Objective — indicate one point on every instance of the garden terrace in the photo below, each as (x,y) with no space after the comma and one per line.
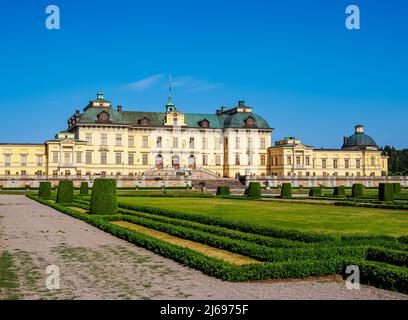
(270,241)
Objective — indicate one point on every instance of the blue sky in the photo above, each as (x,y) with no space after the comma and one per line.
(293,61)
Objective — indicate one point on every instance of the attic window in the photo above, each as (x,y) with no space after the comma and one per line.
(250,123)
(204,123)
(144,121)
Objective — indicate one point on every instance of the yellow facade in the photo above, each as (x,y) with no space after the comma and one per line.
(22,159)
(291,158)
(104,141)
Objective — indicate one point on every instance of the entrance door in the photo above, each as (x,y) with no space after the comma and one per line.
(175,162)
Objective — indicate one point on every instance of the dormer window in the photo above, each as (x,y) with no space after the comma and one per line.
(250,122)
(103,117)
(204,123)
(144,121)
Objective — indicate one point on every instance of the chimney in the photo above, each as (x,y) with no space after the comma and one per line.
(241,103)
(120,108)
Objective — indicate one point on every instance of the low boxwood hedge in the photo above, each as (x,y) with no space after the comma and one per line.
(379,274)
(223,191)
(235,225)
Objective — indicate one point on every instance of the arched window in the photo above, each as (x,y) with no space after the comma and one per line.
(159,161)
(191,162)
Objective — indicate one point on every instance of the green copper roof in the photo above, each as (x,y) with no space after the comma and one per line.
(91,115)
(359,140)
(157,119)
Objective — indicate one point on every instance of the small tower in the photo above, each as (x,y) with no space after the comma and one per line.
(359,128)
(170,107)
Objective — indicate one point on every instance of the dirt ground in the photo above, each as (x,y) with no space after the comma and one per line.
(96,265)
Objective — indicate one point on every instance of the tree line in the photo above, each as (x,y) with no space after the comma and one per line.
(397,162)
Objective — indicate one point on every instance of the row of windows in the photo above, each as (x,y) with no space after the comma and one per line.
(175,144)
(23,160)
(324,162)
(324,174)
(250,160)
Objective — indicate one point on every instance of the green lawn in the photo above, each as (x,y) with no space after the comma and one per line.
(308,217)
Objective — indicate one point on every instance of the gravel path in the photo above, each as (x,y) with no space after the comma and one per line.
(96,265)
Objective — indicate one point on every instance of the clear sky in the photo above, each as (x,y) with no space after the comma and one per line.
(293,61)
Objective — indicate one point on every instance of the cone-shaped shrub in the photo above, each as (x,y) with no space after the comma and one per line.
(84,190)
(254,190)
(357,191)
(397,188)
(339,191)
(286,191)
(315,192)
(223,191)
(386,192)
(65,193)
(44,190)
(103,198)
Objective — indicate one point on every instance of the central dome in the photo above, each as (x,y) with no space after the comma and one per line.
(359,141)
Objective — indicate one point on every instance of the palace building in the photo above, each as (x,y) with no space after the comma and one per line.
(106,141)
(103,140)
(359,157)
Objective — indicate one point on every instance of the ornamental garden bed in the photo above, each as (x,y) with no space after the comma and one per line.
(238,250)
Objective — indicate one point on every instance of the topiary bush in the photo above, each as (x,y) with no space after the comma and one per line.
(397,188)
(357,190)
(386,192)
(103,197)
(286,191)
(84,190)
(315,192)
(44,190)
(223,191)
(254,190)
(65,193)
(339,191)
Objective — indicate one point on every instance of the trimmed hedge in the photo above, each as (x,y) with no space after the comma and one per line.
(65,193)
(221,231)
(103,197)
(373,273)
(235,225)
(44,190)
(371,205)
(386,192)
(315,192)
(397,188)
(223,191)
(84,190)
(386,276)
(254,190)
(357,190)
(339,191)
(394,257)
(286,191)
